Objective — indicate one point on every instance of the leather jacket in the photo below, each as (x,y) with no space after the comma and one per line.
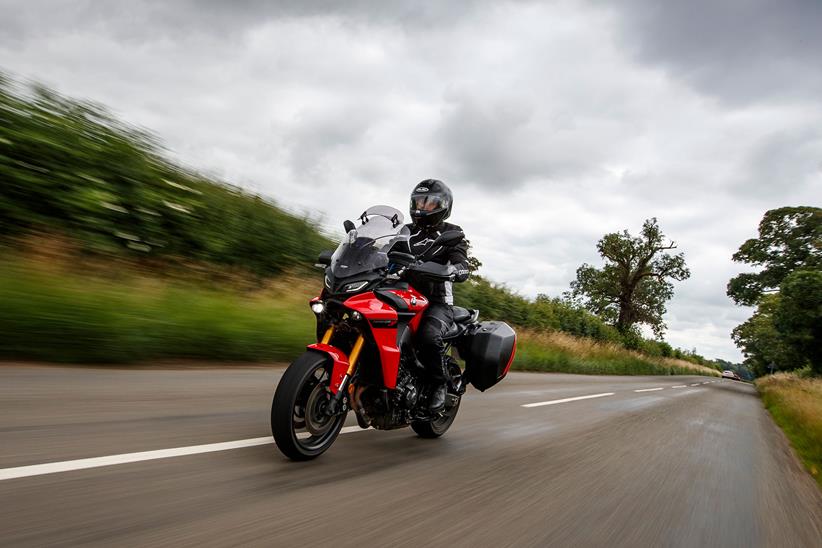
(456,255)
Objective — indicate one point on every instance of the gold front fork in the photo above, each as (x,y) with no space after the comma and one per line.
(355,355)
(328,334)
(346,380)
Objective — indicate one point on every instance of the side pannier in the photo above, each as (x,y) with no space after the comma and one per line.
(488,351)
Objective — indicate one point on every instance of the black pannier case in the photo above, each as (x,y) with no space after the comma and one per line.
(488,352)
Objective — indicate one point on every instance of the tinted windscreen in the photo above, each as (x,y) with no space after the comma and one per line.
(366,247)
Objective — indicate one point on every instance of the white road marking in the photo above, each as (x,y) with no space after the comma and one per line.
(649,389)
(680,386)
(565,400)
(96,462)
(707,382)
(695,384)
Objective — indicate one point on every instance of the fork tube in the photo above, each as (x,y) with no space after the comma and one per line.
(352,366)
(328,334)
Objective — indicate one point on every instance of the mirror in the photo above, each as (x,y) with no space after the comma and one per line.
(449,237)
(325,258)
(401,258)
(348,226)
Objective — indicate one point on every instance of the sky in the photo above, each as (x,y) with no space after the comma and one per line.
(552,122)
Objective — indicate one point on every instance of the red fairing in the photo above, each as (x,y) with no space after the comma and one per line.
(511,359)
(416,302)
(340,363)
(385,337)
(371,307)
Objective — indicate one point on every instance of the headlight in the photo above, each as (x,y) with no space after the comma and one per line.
(354,286)
(356,316)
(317,307)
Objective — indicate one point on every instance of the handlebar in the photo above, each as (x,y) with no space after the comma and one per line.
(433,271)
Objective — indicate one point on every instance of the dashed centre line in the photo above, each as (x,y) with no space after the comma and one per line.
(566,400)
(649,389)
(680,386)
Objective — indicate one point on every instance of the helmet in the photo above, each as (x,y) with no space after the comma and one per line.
(430,203)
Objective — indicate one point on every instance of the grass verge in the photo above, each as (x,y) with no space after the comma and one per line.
(59,317)
(795,403)
(559,352)
(51,313)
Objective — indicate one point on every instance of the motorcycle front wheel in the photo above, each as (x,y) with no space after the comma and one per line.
(299,423)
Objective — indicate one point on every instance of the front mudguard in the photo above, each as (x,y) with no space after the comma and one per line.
(339,363)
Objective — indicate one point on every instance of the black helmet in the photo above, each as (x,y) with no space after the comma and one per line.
(430,203)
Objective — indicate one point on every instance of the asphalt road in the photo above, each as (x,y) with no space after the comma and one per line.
(688,464)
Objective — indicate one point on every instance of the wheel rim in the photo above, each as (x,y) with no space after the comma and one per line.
(311,427)
(442,422)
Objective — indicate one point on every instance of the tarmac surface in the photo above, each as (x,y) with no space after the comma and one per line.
(640,461)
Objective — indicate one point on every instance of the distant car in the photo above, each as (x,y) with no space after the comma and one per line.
(728,374)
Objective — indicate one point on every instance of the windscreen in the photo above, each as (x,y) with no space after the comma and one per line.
(366,247)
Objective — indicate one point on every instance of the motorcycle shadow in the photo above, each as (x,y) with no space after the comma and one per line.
(354,456)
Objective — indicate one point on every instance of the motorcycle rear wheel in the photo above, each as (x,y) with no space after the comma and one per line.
(439,426)
(301,429)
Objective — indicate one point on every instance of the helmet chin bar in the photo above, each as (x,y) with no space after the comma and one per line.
(429,218)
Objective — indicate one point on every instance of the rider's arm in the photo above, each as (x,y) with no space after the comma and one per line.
(458,257)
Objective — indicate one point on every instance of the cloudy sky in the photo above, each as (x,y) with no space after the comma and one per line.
(553,122)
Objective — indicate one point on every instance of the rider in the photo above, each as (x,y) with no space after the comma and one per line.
(431,204)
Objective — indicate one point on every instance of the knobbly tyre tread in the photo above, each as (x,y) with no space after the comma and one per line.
(282,407)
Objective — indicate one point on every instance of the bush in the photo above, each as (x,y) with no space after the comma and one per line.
(69,167)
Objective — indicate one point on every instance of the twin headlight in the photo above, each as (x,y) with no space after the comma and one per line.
(318,307)
(354,286)
(347,288)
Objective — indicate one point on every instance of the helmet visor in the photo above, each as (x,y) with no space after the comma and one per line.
(426,203)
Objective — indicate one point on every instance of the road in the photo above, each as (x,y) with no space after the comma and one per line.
(650,461)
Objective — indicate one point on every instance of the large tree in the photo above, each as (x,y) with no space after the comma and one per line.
(790,238)
(763,345)
(798,316)
(634,285)
(785,331)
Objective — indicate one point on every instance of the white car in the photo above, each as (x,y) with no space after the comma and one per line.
(728,374)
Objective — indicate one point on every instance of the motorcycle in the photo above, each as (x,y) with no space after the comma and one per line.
(365,359)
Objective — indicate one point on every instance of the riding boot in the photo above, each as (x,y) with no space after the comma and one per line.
(437,401)
(439,390)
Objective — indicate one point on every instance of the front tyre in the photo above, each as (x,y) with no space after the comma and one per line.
(437,427)
(301,428)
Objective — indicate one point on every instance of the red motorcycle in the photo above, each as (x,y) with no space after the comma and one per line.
(365,360)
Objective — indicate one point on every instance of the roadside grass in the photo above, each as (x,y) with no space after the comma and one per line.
(795,403)
(49,315)
(57,312)
(559,352)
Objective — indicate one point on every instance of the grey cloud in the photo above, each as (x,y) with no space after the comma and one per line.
(782,164)
(141,20)
(503,143)
(740,51)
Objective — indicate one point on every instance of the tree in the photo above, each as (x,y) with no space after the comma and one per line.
(798,316)
(790,238)
(633,286)
(762,344)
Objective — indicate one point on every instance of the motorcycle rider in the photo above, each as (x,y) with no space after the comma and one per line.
(431,202)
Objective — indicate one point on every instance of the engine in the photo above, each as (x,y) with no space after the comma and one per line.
(386,409)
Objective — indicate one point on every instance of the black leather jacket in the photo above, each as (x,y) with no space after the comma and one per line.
(455,255)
